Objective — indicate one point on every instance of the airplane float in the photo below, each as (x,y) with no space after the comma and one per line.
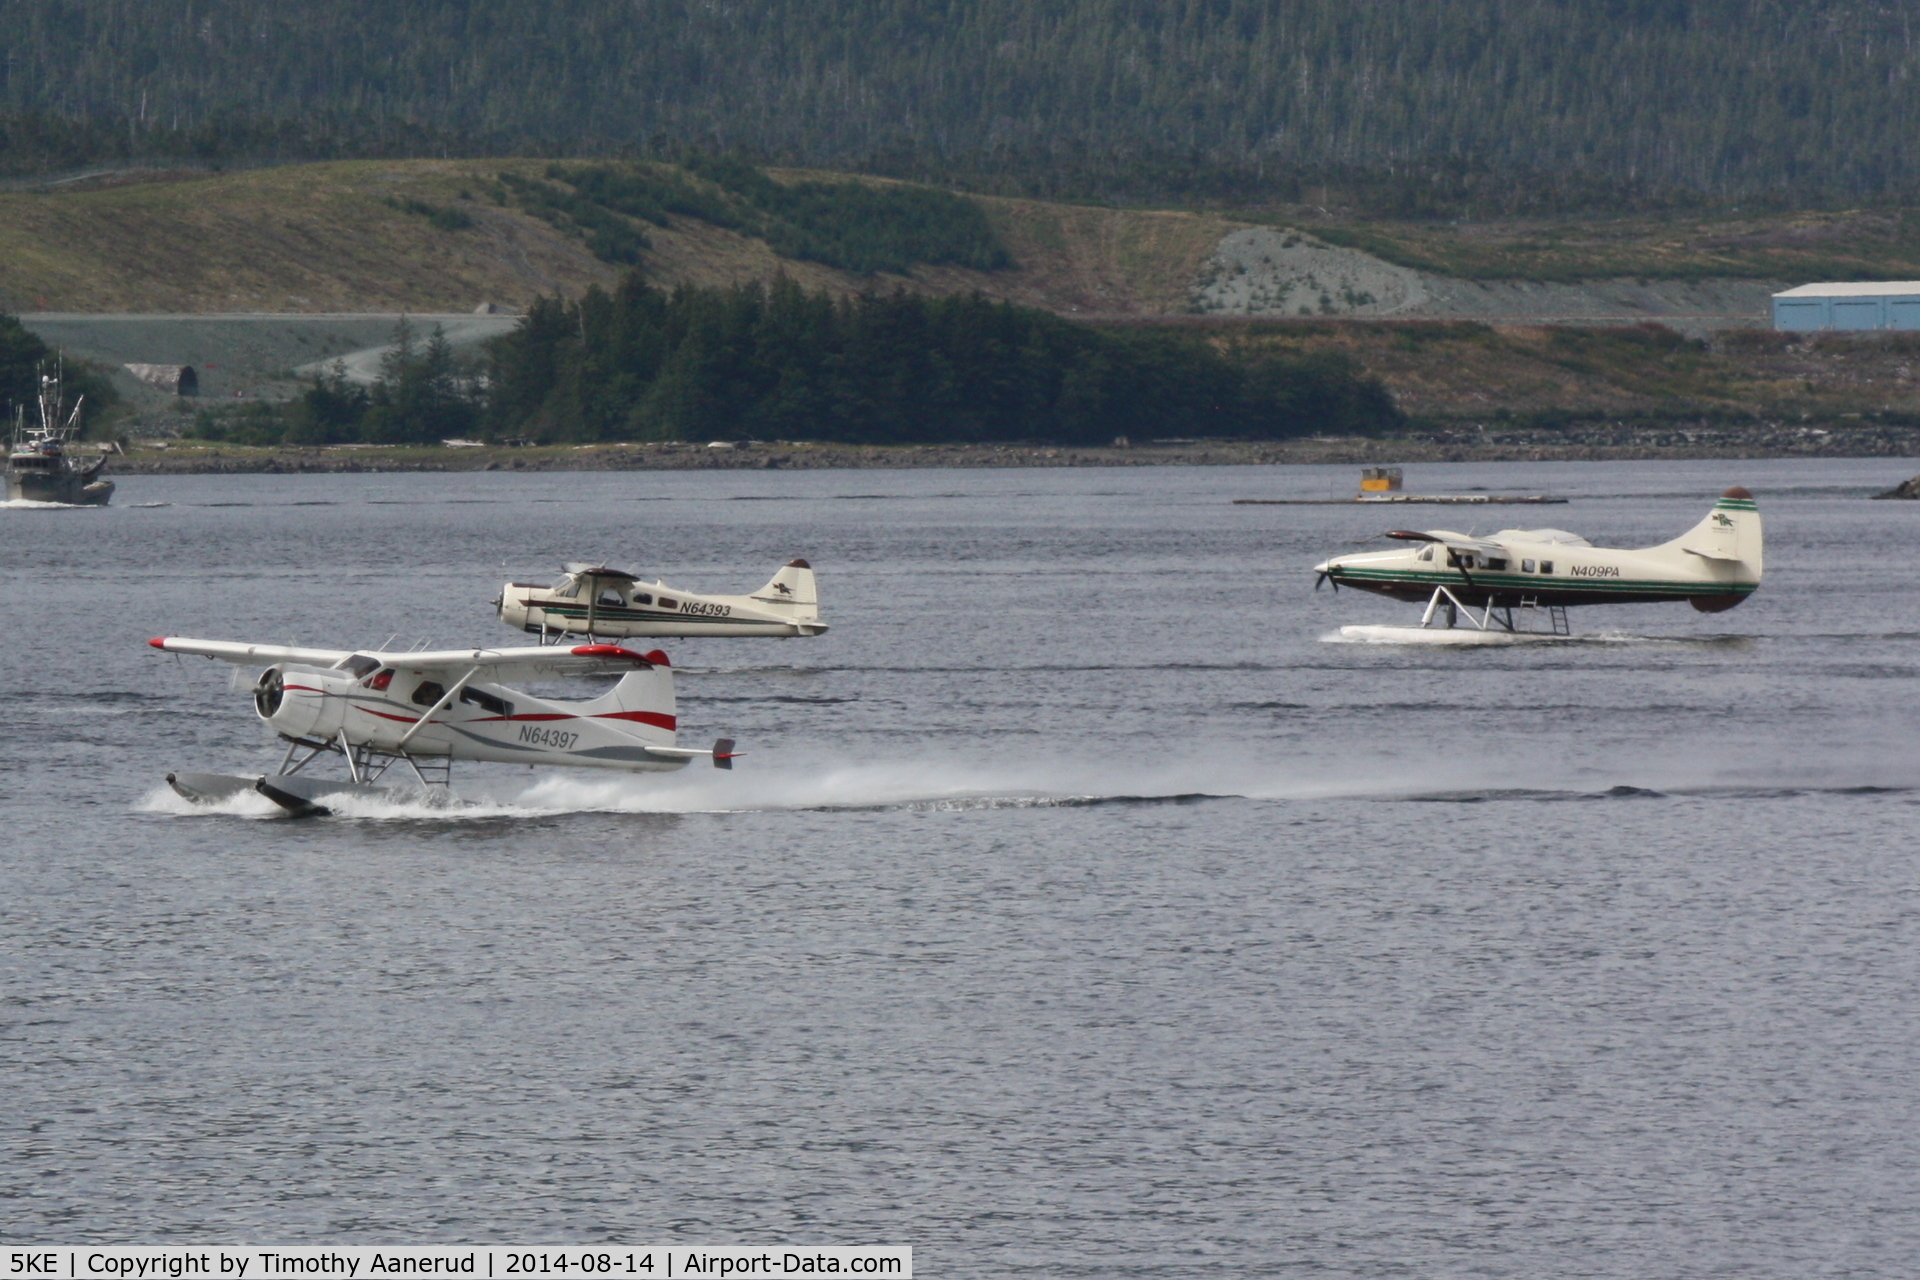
(596,601)
(427,709)
(1520,579)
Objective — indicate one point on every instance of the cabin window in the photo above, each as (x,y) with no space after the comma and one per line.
(486,702)
(668,602)
(1426,552)
(1526,566)
(427,692)
(1460,560)
(611,599)
(641,597)
(1496,564)
(381,680)
(1546,566)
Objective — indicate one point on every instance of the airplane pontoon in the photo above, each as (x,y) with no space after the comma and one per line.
(425,710)
(1522,581)
(598,601)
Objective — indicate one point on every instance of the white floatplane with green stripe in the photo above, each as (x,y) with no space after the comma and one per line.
(1517,584)
(599,602)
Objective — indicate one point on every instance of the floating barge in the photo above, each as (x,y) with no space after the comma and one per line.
(1382,485)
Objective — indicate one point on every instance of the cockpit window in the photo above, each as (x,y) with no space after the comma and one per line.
(611,599)
(357,663)
(382,680)
(1426,552)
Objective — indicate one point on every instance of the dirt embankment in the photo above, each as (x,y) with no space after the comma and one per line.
(1272,272)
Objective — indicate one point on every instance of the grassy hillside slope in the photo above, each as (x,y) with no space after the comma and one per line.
(1559,379)
(352,236)
(445,235)
(1879,244)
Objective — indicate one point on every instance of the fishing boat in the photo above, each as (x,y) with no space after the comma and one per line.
(39,467)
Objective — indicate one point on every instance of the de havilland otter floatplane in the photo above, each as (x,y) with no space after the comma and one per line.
(427,709)
(1522,581)
(594,600)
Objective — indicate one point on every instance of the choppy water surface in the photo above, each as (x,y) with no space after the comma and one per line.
(1080,910)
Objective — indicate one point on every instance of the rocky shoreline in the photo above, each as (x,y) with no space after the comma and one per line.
(186,458)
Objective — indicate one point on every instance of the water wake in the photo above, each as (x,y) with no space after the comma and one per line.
(1519,771)
(246,804)
(1467,636)
(29,504)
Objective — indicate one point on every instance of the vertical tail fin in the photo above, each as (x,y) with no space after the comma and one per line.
(792,588)
(1731,532)
(642,703)
(1728,541)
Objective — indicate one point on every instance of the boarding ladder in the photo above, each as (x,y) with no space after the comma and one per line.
(1555,620)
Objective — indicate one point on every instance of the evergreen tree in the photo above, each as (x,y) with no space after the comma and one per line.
(1430,105)
(891,368)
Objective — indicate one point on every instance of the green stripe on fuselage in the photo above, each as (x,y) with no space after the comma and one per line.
(621,613)
(1524,583)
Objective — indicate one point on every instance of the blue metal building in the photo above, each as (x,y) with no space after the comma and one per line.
(1893,304)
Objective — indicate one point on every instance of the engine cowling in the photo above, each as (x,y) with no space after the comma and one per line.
(300,702)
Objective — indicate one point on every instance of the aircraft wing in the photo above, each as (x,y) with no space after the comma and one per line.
(250,655)
(531,662)
(1449,539)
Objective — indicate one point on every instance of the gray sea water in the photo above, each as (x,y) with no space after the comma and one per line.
(1080,910)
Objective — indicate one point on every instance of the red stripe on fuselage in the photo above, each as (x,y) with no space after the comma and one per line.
(653,718)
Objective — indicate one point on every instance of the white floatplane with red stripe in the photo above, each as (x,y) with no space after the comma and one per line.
(1522,581)
(427,709)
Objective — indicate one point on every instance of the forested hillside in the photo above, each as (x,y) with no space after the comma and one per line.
(639,363)
(1419,106)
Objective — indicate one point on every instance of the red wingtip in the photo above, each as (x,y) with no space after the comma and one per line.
(659,658)
(615,651)
(158,642)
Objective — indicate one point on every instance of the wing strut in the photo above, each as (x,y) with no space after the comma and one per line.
(446,700)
